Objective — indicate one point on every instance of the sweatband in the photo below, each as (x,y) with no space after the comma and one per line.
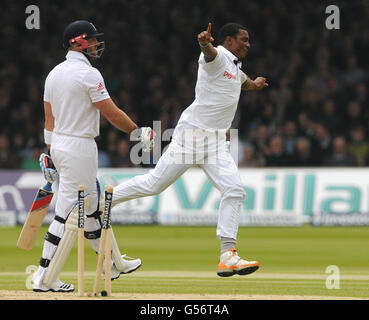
(47,136)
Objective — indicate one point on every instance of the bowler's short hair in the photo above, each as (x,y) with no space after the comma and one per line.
(229,29)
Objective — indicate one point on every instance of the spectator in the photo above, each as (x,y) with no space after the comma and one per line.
(250,158)
(305,124)
(352,73)
(358,144)
(329,117)
(19,145)
(277,157)
(361,94)
(303,156)
(340,157)
(8,159)
(121,158)
(103,159)
(268,115)
(32,161)
(321,143)
(354,117)
(290,137)
(261,141)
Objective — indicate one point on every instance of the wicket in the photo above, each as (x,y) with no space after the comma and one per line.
(81,243)
(104,248)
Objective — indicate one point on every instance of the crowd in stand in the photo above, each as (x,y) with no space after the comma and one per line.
(314,112)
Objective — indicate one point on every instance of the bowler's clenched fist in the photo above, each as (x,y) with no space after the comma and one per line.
(260,83)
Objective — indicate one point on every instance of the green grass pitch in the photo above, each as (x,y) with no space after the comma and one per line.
(177,260)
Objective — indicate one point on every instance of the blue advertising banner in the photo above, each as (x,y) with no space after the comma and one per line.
(275,197)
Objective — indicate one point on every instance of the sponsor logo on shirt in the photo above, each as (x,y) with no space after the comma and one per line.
(229,75)
(100,87)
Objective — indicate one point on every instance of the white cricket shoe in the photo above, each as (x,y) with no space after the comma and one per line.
(130,265)
(230,263)
(57,286)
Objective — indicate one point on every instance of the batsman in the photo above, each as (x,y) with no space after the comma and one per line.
(74,96)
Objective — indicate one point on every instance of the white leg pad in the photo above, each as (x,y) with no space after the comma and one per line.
(65,246)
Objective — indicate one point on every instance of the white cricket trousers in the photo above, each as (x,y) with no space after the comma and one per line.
(220,169)
(76,161)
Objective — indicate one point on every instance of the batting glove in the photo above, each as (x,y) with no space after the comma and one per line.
(147,137)
(47,167)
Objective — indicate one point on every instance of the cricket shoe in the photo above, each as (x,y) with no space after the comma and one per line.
(230,263)
(130,265)
(57,286)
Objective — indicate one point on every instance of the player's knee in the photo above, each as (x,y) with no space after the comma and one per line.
(235,191)
(239,192)
(158,186)
(155,185)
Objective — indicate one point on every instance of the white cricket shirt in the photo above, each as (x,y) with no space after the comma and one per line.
(71,88)
(217,93)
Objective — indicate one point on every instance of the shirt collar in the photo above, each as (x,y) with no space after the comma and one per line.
(231,56)
(75,55)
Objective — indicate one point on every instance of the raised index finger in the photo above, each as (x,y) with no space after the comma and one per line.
(209,28)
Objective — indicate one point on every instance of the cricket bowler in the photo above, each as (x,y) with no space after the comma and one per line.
(200,136)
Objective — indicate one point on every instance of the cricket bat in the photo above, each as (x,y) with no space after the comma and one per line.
(35,217)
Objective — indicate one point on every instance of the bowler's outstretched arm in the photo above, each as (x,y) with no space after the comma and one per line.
(205,39)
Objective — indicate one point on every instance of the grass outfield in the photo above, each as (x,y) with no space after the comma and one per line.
(183,260)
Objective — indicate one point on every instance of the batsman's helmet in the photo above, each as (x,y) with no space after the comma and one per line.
(78,32)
